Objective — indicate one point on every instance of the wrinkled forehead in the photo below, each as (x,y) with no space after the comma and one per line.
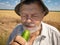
(31,7)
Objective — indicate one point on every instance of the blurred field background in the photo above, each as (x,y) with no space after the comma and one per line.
(9,19)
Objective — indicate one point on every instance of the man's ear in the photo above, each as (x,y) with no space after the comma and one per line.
(45,13)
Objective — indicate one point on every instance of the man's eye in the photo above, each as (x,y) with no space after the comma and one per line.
(35,16)
(23,16)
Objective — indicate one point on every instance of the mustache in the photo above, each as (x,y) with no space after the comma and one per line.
(28,24)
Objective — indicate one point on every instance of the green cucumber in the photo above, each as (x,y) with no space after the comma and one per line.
(26,35)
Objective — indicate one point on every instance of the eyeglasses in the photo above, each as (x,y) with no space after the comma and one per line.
(33,16)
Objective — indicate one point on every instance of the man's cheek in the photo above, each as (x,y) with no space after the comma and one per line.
(22,21)
(37,22)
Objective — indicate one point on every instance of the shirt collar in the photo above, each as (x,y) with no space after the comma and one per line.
(44,30)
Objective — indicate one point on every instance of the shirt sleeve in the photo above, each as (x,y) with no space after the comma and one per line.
(17,31)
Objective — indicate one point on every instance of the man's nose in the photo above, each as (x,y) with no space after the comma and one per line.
(29,19)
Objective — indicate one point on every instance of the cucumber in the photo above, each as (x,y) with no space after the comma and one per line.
(26,35)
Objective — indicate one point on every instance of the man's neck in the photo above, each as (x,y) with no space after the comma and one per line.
(38,32)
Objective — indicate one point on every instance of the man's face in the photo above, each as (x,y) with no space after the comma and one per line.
(31,15)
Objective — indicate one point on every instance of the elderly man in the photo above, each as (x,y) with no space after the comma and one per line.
(32,12)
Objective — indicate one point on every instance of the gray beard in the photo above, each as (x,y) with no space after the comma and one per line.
(34,29)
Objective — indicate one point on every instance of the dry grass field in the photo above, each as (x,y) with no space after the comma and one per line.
(9,19)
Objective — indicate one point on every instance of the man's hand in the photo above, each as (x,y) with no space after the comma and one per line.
(18,41)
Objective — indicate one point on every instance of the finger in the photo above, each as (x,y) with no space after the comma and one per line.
(14,43)
(20,40)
